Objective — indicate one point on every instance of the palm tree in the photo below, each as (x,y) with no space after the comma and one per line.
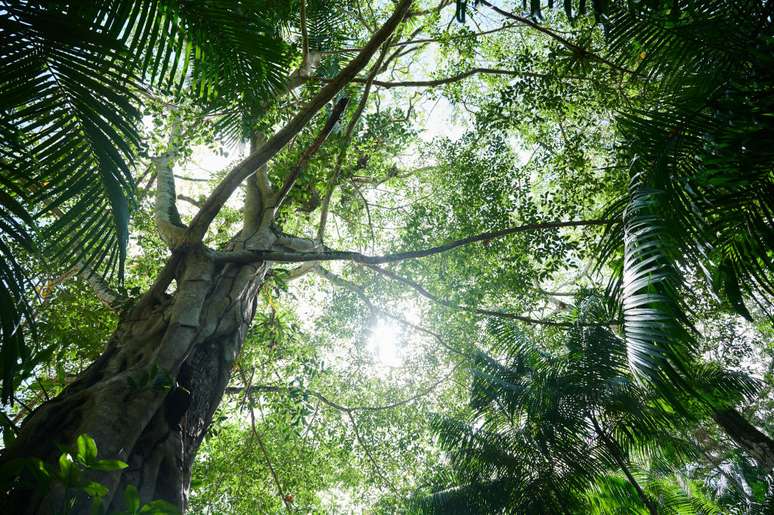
(699,157)
(555,430)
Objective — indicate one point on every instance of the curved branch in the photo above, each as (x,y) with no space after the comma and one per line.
(234,178)
(249,256)
(457,78)
(486,312)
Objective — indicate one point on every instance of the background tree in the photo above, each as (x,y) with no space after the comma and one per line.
(552,422)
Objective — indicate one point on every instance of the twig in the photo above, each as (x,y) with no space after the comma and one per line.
(367,451)
(487,312)
(258,439)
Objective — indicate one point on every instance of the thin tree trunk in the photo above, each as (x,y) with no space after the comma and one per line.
(617,455)
(190,338)
(747,436)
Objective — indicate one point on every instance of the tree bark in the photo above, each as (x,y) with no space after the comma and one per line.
(190,338)
(747,436)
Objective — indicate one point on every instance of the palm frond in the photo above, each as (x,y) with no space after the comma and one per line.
(71,75)
(700,201)
(16,227)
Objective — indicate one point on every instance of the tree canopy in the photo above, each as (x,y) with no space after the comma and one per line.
(425,256)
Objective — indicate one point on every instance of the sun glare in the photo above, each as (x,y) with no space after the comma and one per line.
(383,344)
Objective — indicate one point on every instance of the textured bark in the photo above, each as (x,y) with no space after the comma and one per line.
(192,336)
(747,436)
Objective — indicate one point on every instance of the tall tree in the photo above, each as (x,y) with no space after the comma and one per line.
(192,335)
(561,111)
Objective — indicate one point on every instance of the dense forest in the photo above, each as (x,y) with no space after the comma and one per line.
(395,256)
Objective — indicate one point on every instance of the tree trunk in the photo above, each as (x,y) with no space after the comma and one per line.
(189,340)
(747,436)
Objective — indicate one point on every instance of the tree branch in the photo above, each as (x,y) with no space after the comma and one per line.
(234,178)
(304,33)
(190,200)
(457,78)
(234,390)
(311,150)
(249,256)
(557,37)
(486,312)
(266,455)
(333,181)
(258,195)
(167,217)
(368,454)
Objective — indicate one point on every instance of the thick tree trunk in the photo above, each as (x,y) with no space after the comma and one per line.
(747,436)
(191,338)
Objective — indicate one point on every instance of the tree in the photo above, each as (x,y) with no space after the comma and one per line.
(554,426)
(470,217)
(193,335)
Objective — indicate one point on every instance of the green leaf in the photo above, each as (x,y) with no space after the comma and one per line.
(68,470)
(108,465)
(86,449)
(132,498)
(96,490)
(159,507)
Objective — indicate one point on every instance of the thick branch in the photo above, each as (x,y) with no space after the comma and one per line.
(165,213)
(288,242)
(304,33)
(258,195)
(249,256)
(231,182)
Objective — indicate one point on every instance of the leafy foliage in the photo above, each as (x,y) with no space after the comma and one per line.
(699,156)
(559,429)
(71,86)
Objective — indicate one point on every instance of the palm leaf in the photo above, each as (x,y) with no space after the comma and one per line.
(70,78)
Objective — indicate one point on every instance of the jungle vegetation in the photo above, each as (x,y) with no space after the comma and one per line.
(406,256)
